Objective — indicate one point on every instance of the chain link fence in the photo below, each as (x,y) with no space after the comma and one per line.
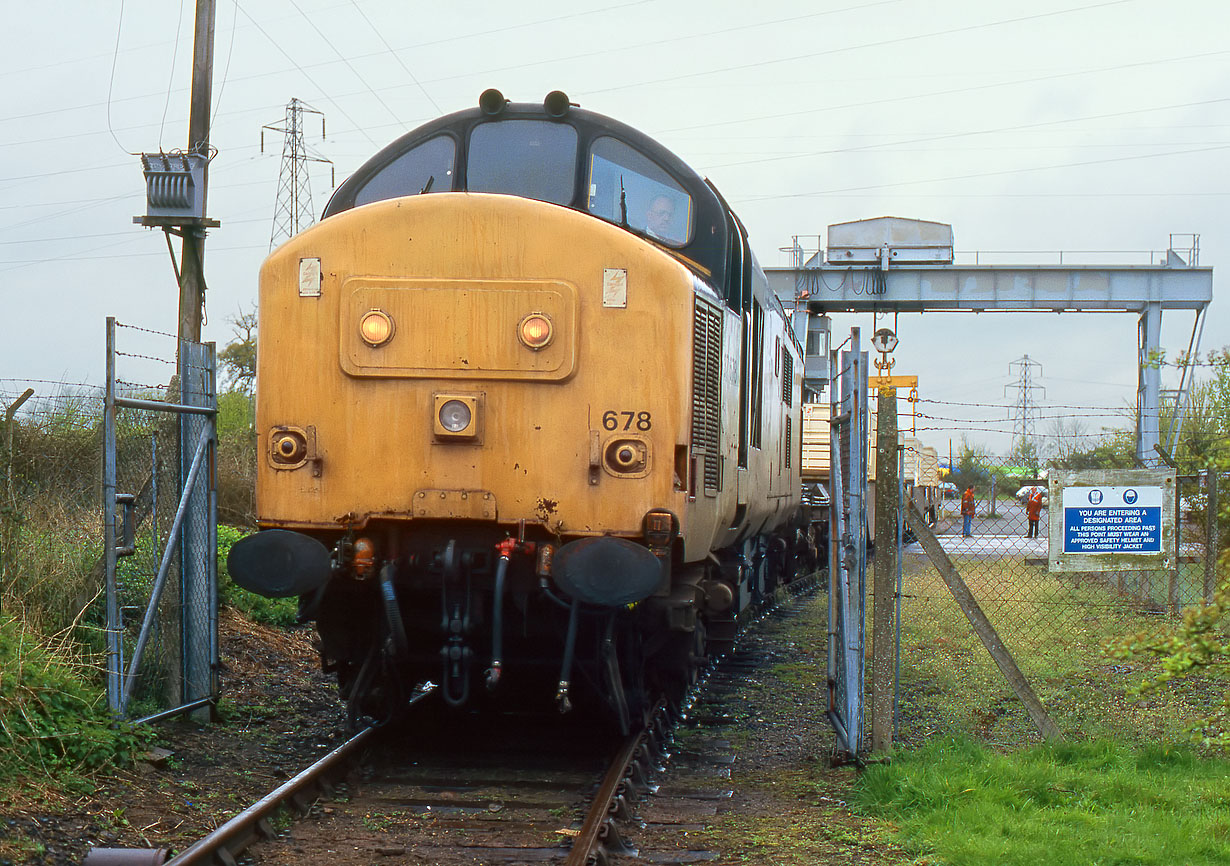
(52,554)
(1057,626)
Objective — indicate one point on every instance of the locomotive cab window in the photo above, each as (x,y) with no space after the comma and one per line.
(428,167)
(629,189)
(529,158)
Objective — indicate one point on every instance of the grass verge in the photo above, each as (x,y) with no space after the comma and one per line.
(1069,804)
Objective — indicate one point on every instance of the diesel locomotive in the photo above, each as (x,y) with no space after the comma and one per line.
(529,418)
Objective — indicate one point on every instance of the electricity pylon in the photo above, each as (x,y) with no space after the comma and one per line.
(1025,408)
(293,210)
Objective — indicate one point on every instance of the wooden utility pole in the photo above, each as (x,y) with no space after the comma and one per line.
(198,678)
(884,586)
(192,258)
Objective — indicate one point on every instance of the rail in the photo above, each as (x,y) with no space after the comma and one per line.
(252,824)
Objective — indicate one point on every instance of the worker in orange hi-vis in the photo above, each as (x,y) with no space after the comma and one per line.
(1033,510)
(967,510)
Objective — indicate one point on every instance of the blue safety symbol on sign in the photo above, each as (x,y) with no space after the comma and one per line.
(1129,496)
(1095,496)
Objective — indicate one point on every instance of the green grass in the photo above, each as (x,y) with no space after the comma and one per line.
(1085,804)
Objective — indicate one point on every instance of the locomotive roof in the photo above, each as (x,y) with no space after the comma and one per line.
(705,244)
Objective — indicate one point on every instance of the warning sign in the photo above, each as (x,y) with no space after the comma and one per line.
(1112,520)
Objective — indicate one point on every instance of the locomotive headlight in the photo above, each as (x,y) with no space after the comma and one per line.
(376,327)
(455,416)
(535,331)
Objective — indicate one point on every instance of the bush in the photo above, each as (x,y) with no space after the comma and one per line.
(281,612)
(53,719)
(236,460)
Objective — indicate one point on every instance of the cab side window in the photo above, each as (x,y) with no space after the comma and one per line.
(427,167)
(629,189)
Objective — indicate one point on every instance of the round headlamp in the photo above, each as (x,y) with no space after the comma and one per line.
(376,327)
(535,330)
(455,416)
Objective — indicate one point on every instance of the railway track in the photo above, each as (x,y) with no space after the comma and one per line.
(444,789)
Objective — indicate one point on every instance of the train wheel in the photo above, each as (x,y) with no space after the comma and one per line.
(632,668)
(681,662)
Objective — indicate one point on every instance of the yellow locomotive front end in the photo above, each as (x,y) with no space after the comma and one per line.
(513,394)
(476,357)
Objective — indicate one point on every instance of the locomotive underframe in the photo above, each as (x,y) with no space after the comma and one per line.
(424,609)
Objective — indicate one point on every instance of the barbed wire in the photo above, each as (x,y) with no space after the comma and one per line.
(145,385)
(1002,406)
(1099,435)
(1038,417)
(145,357)
(53,382)
(120,324)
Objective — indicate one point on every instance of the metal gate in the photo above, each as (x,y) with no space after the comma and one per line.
(848,548)
(168,664)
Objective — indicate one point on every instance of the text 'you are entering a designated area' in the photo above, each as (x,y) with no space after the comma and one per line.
(1112,520)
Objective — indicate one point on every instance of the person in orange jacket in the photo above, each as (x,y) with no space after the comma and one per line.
(967,510)
(1033,510)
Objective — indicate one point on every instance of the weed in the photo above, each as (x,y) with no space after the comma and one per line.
(381,822)
(52,723)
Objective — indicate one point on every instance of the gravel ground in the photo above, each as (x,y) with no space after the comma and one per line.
(788,804)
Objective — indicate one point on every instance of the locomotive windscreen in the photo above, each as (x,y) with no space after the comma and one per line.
(425,168)
(574,158)
(530,158)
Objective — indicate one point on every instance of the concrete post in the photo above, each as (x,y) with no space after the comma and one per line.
(882,613)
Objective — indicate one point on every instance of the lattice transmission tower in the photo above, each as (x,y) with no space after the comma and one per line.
(1026,411)
(293,210)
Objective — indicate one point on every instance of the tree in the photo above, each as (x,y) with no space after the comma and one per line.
(1025,456)
(1200,645)
(239,356)
(1068,433)
(236,457)
(971,469)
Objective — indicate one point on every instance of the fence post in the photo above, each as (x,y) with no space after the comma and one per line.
(1210,536)
(8,511)
(115,664)
(197,542)
(885,571)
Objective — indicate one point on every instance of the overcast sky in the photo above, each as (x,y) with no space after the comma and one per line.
(1055,125)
